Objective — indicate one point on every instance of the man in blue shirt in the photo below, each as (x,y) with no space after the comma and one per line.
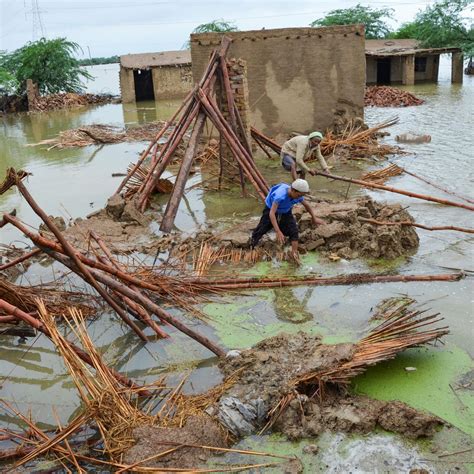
(277,214)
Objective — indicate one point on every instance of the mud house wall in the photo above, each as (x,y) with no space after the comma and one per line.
(127,85)
(297,77)
(172,82)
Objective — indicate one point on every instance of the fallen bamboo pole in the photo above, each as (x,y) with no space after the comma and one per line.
(436,185)
(38,325)
(69,250)
(395,190)
(421,226)
(354,279)
(180,183)
(56,252)
(259,136)
(144,301)
(18,260)
(141,312)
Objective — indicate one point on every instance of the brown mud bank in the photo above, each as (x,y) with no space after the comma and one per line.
(346,233)
(264,375)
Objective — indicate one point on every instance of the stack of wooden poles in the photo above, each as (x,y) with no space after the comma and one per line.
(199,105)
(118,288)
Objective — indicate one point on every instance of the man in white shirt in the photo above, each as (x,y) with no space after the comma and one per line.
(295,151)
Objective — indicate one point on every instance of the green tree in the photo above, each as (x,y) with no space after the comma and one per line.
(442,25)
(8,83)
(373,19)
(49,63)
(215,26)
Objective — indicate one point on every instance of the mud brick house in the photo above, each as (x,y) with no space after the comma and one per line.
(298,78)
(149,76)
(404,62)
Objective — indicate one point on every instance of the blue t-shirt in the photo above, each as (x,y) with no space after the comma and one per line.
(279,194)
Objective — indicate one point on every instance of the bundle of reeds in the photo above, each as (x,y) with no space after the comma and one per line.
(116,411)
(357,142)
(380,176)
(55,299)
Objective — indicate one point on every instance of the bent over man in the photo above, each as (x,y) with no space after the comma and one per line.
(296,150)
(277,214)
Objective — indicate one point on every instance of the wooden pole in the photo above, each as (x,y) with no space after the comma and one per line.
(180,183)
(69,250)
(145,302)
(436,185)
(18,260)
(355,279)
(421,226)
(141,312)
(396,190)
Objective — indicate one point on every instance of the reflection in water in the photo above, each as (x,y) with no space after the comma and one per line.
(288,307)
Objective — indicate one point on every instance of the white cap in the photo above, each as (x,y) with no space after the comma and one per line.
(300,185)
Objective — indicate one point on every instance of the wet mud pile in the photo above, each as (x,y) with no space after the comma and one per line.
(198,430)
(267,371)
(346,233)
(125,228)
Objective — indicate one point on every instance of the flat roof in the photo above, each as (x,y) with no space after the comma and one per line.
(401,47)
(164,58)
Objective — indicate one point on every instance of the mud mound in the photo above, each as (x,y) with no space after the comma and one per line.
(123,227)
(345,233)
(151,440)
(266,372)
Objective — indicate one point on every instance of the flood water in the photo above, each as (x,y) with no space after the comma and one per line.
(74,182)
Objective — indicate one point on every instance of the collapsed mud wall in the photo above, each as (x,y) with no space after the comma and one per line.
(298,77)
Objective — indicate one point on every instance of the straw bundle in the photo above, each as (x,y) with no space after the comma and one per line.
(55,300)
(113,408)
(380,176)
(359,142)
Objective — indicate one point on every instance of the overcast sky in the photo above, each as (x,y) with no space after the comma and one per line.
(109,27)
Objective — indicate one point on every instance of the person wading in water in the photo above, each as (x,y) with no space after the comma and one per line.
(278,214)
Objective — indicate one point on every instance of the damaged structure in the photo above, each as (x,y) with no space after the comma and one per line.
(151,76)
(404,62)
(297,77)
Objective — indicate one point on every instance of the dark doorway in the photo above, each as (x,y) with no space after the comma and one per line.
(143,85)
(383,70)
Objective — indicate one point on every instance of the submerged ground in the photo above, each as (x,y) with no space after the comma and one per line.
(75,182)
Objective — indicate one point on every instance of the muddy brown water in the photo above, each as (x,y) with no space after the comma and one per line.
(75,182)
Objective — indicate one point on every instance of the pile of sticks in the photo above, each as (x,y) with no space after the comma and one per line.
(355,142)
(103,274)
(380,176)
(99,134)
(386,96)
(55,299)
(199,105)
(68,100)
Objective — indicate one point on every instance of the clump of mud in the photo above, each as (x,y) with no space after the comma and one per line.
(120,224)
(265,378)
(198,430)
(345,232)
